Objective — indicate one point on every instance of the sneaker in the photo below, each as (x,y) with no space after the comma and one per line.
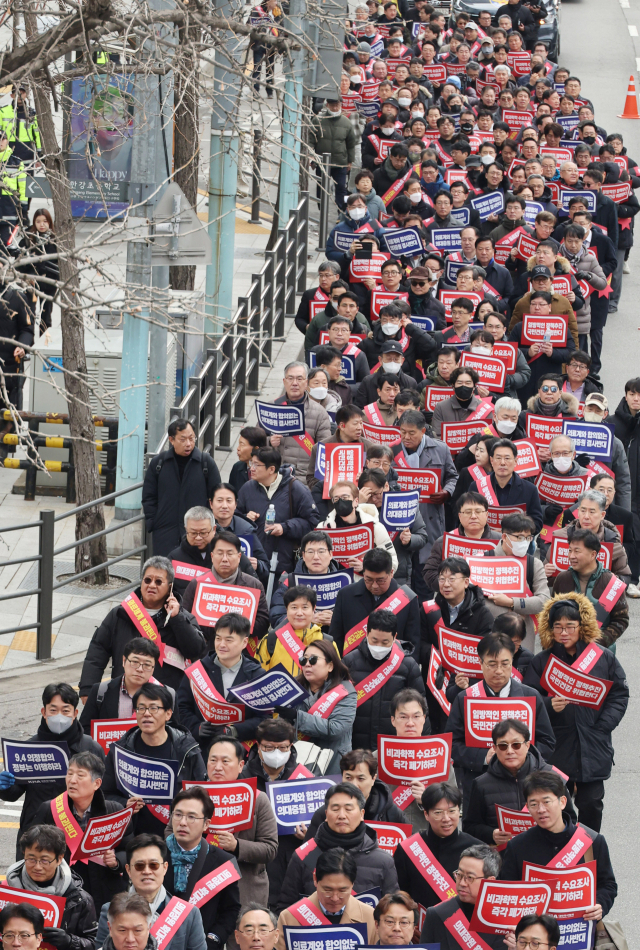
(633,591)
(625,268)
(613,308)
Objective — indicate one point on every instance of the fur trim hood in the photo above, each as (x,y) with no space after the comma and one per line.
(589,629)
(561,262)
(570,407)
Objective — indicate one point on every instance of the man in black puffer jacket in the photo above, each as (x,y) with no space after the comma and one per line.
(627,428)
(380,666)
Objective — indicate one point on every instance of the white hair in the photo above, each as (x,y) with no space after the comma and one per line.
(568,438)
(503,69)
(199,514)
(294,365)
(506,402)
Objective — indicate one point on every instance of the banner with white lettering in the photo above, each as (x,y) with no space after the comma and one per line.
(502,904)
(491,370)
(459,651)
(295,802)
(454,545)
(107,731)
(342,937)
(213,601)
(326,586)
(544,329)
(543,429)
(447,239)
(527,461)
(350,542)
(153,780)
(50,905)
(508,353)
(35,761)
(425,759)
(486,205)
(381,435)
(559,554)
(214,882)
(399,509)
(276,687)
(280,420)
(573,890)
(424,480)
(589,198)
(560,679)
(481,715)
(591,438)
(560,490)
(499,575)
(403,242)
(103,833)
(576,934)
(513,821)
(234,803)
(389,834)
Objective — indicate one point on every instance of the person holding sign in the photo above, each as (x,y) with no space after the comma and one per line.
(44,870)
(394,325)
(335,878)
(568,628)
(113,699)
(346,510)
(546,357)
(339,330)
(223,504)
(471,508)
(299,603)
(296,449)
(462,404)
(550,401)
(373,388)
(316,550)
(514,758)
(556,841)
(22,922)
(590,514)
(349,420)
(511,490)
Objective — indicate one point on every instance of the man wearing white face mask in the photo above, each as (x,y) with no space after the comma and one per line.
(59,723)
(505,419)
(394,325)
(562,464)
(390,362)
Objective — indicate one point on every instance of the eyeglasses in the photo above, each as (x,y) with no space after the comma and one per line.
(11,938)
(469,878)
(570,628)
(198,534)
(311,660)
(139,866)
(390,921)
(522,943)
(549,389)
(45,862)
(179,816)
(261,929)
(505,746)
(145,667)
(154,710)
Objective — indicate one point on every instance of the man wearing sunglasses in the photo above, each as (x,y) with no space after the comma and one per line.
(550,401)
(422,286)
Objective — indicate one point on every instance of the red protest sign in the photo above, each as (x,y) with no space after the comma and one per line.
(499,575)
(455,435)
(316,307)
(369,90)
(213,601)
(448,296)
(424,480)
(50,906)
(481,715)
(103,833)
(543,429)
(381,435)
(573,890)
(426,759)
(380,298)
(234,803)
(344,463)
(527,462)
(559,554)
(525,246)
(435,662)
(459,651)
(513,821)
(491,370)
(436,394)
(390,834)
(454,545)
(522,57)
(501,904)
(618,192)
(504,245)
(361,269)
(350,542)
(560,679)
(508,353)
(435,73)
(219,713)
(455,174)
(495,515)
(558,490)
(560,154)
(516,120)
(106,731)
(480,85)
(561,285)
(537,329)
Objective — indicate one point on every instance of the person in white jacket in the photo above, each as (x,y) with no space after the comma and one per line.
(346,511)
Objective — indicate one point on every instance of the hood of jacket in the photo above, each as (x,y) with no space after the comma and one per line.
(568,404)
(575,470)
(562,265)
(589,629)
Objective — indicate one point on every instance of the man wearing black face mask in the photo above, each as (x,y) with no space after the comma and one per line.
(462,404)
(59,723)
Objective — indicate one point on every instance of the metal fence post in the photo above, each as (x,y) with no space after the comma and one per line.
(256,177)
(45,583)
(325,198)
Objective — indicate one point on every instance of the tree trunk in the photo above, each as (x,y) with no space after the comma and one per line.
(186,154)
(74,358)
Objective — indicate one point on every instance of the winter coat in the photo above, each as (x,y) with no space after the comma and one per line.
(627,429)
(434,930)
(190,554)
(375,205)
(421,346)
(35,793)
(588,264)
(450,410)
(277,610)
(117,629)
(355,912)
(333,135)
(506,226)
(610,534)
(409,554)
(317,425)
(375,869)
(261,622)
(559,303)
(373,717)
(370,153)
(386,176)
(367,391)
(367,514)
(584,748)
(474,619)
(528,606)
(550,510)
(541,364)
(446,851)
(189,712)
(500,279)
(433,562)
(321,319)
(618,619)
(519,491)
(590,385)
(97,880)
(166,497)
(16,325)
(426,305)
(354,604)
(348,225)
(79,914)
(497,786)
(334,732)
(189,936)
(567,407)
(379,806)
(295,509)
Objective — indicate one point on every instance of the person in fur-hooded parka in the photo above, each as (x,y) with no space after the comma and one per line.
(559,303)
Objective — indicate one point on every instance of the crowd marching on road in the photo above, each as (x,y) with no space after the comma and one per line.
(371,679)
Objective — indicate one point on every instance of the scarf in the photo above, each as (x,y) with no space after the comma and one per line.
(326,838)
(573,258)
(391,172)
(18,876)
(232,579)
(413,458)
(155,903)
(182,862)
(543,410)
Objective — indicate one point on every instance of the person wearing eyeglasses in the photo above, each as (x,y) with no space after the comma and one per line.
(21,925)
(256,928)
(44,870)
(393,915)
(550,401)
(113,699)
(477,863)
(177,627)
(535,932)
(514,758)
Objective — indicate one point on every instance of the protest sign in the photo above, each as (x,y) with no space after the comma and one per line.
(436,394)
(561,285)
(35,762)
(459,651)
(425,323)
(371,897)
(350,542)
(344,462)
(447,239)
(543,429)
(481,715)
(276,687)
(424,480)
(347,366)
(573,890)
(154,780)
(448,296)
(362,268)
(280,420)
(435,72)
(618,192)
(515,822)
(455,545)
(486,205)
(435,662)
(326,586)
(213,601)
(211,704)
(295,802)
(343,239)
(508,353)
(324,937)
(234,803)
(381,298)
(527,461)
(495,515)
(502,250)
(461,216)
(499,575)
(403,242)
(426,759)
(452,267)
(246,544)
(525,246)
(559,554)
(316,307)
(531,210)
(106,731)
(491,370)
(544,329)
(576,934)
(399,509)
(455,174)
(455,435)
(591,438)
(516,120)
(188,572)
(568,122)
(368,108)
(389,834)
(502,904)
(50,905)
(560,679)
(559,490)
(381,435)
(103,834)
(560,154)
(589,198)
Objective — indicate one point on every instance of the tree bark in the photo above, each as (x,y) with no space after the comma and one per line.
(74,359)
(186,146)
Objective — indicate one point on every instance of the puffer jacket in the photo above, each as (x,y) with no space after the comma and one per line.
(567,408)
(375,205)
(506,226)
(317,426)
(79,920)
(584,749)
(333,135)
(559,304)
(373,717)
(368,514)
(587,264)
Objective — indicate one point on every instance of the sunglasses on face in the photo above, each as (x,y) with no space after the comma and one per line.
(141,865)
(505,746)
(549,389)
(311,660)
(419,283)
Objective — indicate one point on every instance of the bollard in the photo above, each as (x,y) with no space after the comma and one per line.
(325,197)
(256,177)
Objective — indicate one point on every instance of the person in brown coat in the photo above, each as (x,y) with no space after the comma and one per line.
(544,281)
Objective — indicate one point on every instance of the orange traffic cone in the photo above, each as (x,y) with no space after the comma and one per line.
(631,105)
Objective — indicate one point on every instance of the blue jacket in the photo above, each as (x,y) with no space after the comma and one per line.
(348,226)
(432,188)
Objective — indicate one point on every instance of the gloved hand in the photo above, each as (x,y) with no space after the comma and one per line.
(287,713)
(582,275)
(57,938)
(7,779)
(208,730)
(439,680)
(551,512)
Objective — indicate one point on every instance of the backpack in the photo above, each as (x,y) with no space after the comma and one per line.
(104,686)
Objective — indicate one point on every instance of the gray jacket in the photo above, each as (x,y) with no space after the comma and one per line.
(405,552)
(335,731)
(436,454)
(257,846)
(450,410)
(189,936)
(589,264)
(317,425)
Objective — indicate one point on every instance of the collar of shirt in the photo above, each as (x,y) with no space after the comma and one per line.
(504,692)
(329,913)
(229,674)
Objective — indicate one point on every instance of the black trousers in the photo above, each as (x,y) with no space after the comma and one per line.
(589,802)
(269,56)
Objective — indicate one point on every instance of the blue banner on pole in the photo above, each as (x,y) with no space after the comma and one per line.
(274,688)
(280,420)
(295,803)
(486,205)
(141,775)
(461,215)
(326,586)
(399,509)
(347,370)
(589,198)
(447,239)
(595,439)
(246,543)
(35,761)
(370,897)
(403,242)
(342,937)
(531,210)
(576,934)
(425,323)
